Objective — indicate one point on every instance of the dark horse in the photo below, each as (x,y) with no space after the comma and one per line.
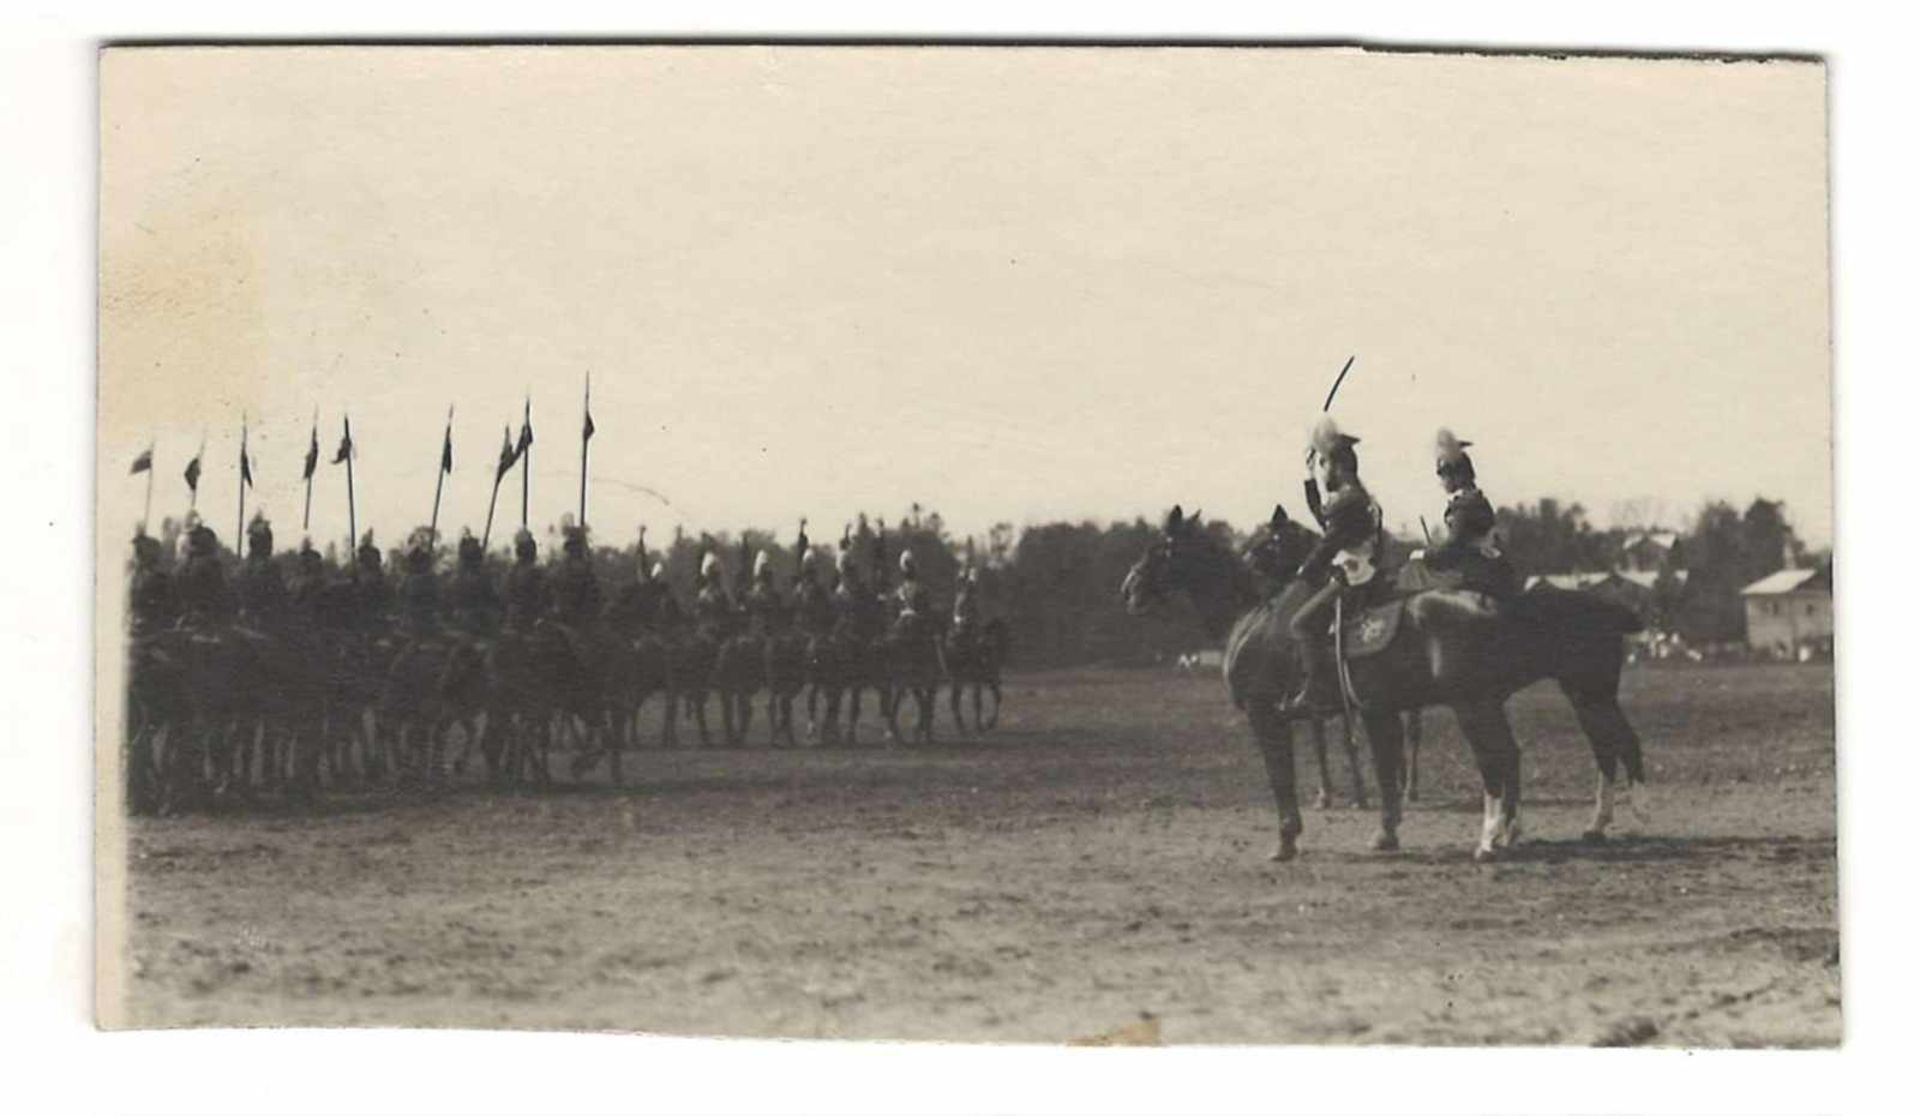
(1442,650)
(975,653)
(913,666)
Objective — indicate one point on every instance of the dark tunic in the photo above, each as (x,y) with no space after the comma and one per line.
(204,596)
(576,592)
(767,613)
(263,595)
(474,604)
(152,606)
(420,600)
(526,595)
(813,607)
(1348,519)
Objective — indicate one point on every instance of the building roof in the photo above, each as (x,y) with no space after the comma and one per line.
(1790,581)
(1645,579)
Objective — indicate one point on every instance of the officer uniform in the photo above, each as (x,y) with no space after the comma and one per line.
(1352,541)
(1468,548)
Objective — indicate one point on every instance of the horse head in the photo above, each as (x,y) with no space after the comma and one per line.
(1180,559)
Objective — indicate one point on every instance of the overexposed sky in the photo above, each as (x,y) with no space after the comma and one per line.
(1009,283)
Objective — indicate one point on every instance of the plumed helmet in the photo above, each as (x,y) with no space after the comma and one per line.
(907,563)
(259,533)
(809,560)
(762,566)
(1328,437)
(1450,453)
(659,570)
(710,565)
(845,562)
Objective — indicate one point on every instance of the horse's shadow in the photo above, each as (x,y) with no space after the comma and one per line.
(1626,849)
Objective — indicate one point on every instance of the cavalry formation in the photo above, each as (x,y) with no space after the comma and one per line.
(241,682)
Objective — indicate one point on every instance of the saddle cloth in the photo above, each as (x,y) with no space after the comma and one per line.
(1368,631)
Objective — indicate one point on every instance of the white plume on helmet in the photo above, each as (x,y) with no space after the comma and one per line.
(1447,448)
(907,563)
(1327,436)
(762,564)
(710,565)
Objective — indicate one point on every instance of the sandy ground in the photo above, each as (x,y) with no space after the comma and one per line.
(1095,866)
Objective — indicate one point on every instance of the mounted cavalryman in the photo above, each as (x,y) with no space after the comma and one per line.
(713,610)
(1342,565)
(475,605)
(204,597)
(151,604)
(767,613)
(1468,548)
(576,590)
(262,592)
(812,603)
(371,595)
(420,585)
(526,583)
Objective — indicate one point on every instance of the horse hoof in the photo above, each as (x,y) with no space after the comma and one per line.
(1484,855)
(1283,852)
(1385,842)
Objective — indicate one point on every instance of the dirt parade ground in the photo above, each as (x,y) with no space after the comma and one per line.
(1094,868)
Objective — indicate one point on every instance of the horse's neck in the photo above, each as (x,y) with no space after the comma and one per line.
(1221,594)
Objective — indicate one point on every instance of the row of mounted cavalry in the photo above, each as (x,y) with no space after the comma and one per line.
(240,682)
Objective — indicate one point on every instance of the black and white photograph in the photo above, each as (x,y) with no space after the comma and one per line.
(1100,545)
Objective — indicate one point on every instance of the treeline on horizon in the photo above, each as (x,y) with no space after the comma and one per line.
(1057,584)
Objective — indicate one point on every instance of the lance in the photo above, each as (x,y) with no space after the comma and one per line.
(525,450)
(193,474)
(507,457)
(346,454)
(586,435)
(440,476)
(246,478)
(145,464)
(313,461)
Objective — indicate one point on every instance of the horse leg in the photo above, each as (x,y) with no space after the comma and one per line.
(953,701)
(994,719)
(1416,731)
(1384,738)
(1613,741)
(1496,754)
(745,698)
(853,715)
(699,704)
(1274,737)
(1324,798)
